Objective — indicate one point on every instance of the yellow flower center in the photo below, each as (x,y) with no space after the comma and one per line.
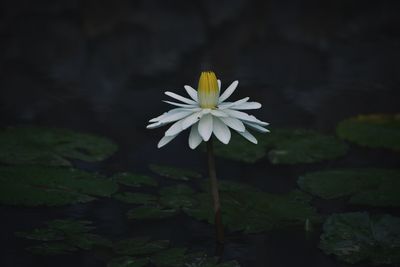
(208,91)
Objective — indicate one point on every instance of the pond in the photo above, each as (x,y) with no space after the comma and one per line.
(84,184)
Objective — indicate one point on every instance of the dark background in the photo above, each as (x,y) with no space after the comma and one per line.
(102,67)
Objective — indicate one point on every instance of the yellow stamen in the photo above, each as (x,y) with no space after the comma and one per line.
(208,91)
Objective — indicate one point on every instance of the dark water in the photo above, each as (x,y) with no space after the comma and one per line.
(102,67)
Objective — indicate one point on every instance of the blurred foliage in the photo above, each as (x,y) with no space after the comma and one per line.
(373,187)
(374,130)
(135,180)
(50,186)
(358,238)
(173,172)
(284,146)
(63,237)
(50,146)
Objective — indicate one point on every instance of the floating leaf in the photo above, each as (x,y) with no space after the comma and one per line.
(136,180)
(42,235)
(87,241)
(40,185)
(139,246)
(73,234)
(136,198)
(128,262)
(284,146)
(253,211)
(150,212)
(202,260)
(48,146)
(374,130)
(177,196)
(173,257)
(52,249)
(358,237)
(374,187)
(240,149)
(174,173)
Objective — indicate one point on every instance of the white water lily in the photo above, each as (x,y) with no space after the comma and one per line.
(207,113)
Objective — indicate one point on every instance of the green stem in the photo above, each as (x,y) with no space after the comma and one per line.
(219,229)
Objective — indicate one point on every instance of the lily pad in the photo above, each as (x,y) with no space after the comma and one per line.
(284,146)
(202,260)
(151,212)
(374,130)
(135,180)
(358,237)
(240,149)
(139,246)
(373,187)
(128,262)
(174,173)
(50,146)
(50,186)
(64,236)
(172,257)
(136,198)
(52,249)
(177,196)
(254,211)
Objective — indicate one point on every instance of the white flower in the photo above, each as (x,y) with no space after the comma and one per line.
(207,113)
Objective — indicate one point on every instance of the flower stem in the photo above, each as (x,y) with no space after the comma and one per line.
(219,229)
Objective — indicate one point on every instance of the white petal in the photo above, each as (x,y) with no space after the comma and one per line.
(205,127)
(154,125)
(219,113)
(248,136)
(167,113)
(234,123)
(246,106)
(194,137)
(165,140)
(180,98)
(192,119)
(174,129)
(175,116)
(231,104)
(191,92)
(228,92)
(244,117)
(181,105)
(219,84)
(221,131)
(257,127)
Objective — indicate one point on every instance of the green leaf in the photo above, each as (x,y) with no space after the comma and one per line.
(49,146)
(74,235)
(173,257)
(42,235)
(240,149)
(49,186)
(373,187)
(150,212)
(87,241)
(136,198)
(177,196)
(373,130)
(52,249)
(128,262)
(284,146)
(174,173)
(139,246)
(135,180)
(250,210)
(358,237)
